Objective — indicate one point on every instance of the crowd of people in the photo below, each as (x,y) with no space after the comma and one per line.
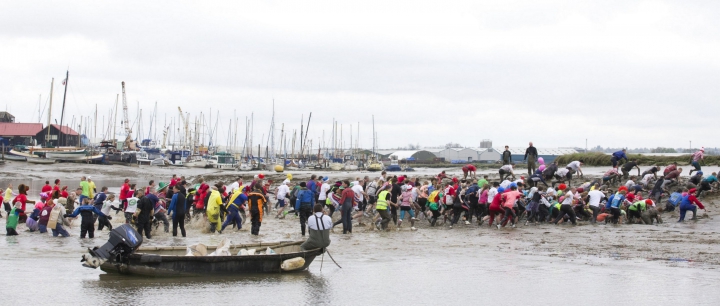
(616,197)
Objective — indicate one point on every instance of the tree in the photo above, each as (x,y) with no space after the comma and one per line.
(450,145)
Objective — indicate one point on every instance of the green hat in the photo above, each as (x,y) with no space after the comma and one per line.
(161,186)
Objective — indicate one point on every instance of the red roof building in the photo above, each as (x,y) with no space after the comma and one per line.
(65,130)
(20,129)
(20,133)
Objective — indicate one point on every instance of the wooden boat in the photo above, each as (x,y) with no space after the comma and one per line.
(171,261)
(37,160)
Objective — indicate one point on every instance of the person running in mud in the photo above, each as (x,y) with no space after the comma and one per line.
(707,183)
(506,171)
(534,196)
(549,172)
(178,209)
(495,207)
(647,180)
(536,178)
(281,194)
(690,203)
(671,179)
(531,155)
(562,175)
(694,180)
(470,170)
(304,204)
(627,167)
(87,224)
(482,208)
(256,200)
(653,170)
(696,159)
(395,192)
(566,207)
(614,204)
(611,176)
(406,207)
(472,195)
(384,199)
(594,198)
(574,167)
(618,156)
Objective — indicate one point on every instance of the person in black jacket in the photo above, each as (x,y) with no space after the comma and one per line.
(86,212)
(506,156)
(145,211)
(531,155)
(178,209)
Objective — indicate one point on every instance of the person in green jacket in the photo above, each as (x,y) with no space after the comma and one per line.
(12,220)
(635,211)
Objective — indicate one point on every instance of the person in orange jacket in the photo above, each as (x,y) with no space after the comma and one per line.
(256,200)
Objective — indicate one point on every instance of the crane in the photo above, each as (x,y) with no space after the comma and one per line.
(166,130)
(185,125)
(129,142)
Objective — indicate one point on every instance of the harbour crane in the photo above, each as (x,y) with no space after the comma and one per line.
(129,142)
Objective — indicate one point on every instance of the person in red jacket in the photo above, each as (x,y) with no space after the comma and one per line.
(496,207)
(57,185)
(200,197)
(46,188)
(22,199)
(469,169)
(124,193)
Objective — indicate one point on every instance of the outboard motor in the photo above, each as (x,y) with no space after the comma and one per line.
(124,240)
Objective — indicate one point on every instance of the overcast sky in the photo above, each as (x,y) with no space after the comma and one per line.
(619,73)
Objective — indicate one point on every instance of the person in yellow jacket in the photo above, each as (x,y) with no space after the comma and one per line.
(213,209)
(93,189)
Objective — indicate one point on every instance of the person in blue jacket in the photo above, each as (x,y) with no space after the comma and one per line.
(86,211)
(178,208)
(303,204)
(614,202)
(618,156)
(234,206)
(674,200)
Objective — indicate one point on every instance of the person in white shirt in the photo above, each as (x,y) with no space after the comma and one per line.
(505,184)
(647,179)
(281,194)
(324,188)
(561,175)
(235,185)
(507,171)
(566,208)
(319,226)
(357,188)
(594,199)
(630,183)
(574,167)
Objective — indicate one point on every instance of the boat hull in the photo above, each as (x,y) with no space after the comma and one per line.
(147,264)
(34,160)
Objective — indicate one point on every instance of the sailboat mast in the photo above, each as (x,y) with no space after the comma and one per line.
(47,138)
(62,113)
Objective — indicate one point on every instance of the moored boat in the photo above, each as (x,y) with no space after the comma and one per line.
(37,160)
(123,254)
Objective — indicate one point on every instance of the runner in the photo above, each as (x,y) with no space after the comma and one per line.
(696,159)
